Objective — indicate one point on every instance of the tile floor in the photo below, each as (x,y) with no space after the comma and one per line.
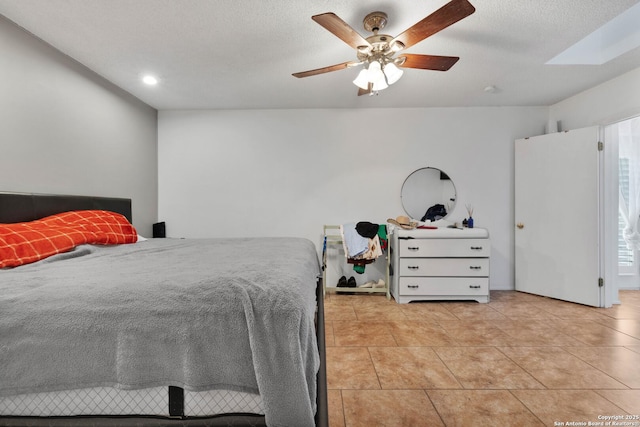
(520,360)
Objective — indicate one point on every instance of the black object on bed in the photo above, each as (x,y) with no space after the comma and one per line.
(16,207)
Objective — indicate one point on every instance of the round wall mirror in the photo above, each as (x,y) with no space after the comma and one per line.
(428,194)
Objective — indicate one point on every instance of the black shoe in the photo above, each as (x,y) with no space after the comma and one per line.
(351,283)
(342,282)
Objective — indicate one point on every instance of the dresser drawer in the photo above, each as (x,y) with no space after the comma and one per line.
(444,247)
(469,267)
(444,286)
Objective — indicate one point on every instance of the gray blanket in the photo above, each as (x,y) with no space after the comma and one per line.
(199,314)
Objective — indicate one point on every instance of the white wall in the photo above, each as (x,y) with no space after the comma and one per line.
(288,172)
(65,130)
(612,101)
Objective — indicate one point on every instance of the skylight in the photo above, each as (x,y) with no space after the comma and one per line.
(614,38)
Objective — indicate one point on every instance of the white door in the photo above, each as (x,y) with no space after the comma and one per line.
(557,215)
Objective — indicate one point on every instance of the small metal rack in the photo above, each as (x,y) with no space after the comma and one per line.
(333,239)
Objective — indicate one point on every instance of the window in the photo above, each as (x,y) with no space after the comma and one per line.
(628,136)
(625,255)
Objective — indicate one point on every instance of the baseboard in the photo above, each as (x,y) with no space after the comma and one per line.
(502,288)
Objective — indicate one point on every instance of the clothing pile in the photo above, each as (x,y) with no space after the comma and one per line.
(363,243)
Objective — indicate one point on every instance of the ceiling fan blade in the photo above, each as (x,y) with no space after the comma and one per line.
(341,29)
(365,91)
(428,62)
(328,69)
(448,14)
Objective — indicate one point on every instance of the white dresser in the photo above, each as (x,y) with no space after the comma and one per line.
(440,264)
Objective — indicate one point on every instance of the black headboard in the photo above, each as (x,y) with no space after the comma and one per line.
(22,207)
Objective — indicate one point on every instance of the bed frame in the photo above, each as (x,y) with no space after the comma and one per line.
(21,207)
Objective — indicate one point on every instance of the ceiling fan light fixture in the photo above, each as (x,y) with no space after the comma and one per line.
(376,76)
(362,81)
(392,72)
(379,85)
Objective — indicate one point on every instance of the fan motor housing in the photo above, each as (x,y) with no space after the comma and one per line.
(380,47)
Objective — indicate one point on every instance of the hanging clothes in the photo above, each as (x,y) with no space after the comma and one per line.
(356,236)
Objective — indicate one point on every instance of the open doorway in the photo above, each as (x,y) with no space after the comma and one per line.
(625,136)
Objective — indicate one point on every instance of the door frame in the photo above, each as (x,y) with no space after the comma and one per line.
(609,212)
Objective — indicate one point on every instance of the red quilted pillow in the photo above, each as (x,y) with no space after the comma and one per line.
(110,228)
(26,242)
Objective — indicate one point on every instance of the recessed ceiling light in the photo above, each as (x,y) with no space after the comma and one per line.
(150,80)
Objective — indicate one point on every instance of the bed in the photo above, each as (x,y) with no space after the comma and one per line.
(210,332)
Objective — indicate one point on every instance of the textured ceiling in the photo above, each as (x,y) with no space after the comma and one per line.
(239,54)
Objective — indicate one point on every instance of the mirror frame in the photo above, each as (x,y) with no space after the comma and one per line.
(409,197)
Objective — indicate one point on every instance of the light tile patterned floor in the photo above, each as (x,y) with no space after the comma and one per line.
(519,360)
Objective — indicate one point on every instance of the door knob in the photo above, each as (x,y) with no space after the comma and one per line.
(520,225)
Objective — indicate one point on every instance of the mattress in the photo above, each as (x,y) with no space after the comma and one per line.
(205,315)
(108,401)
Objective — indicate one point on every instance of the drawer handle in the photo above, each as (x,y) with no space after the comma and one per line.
(413,248)
(475,267)
(475,286)
(412,286)
(413,267)
(476,248)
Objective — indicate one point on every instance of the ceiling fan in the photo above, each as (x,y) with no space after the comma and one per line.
(378,51)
